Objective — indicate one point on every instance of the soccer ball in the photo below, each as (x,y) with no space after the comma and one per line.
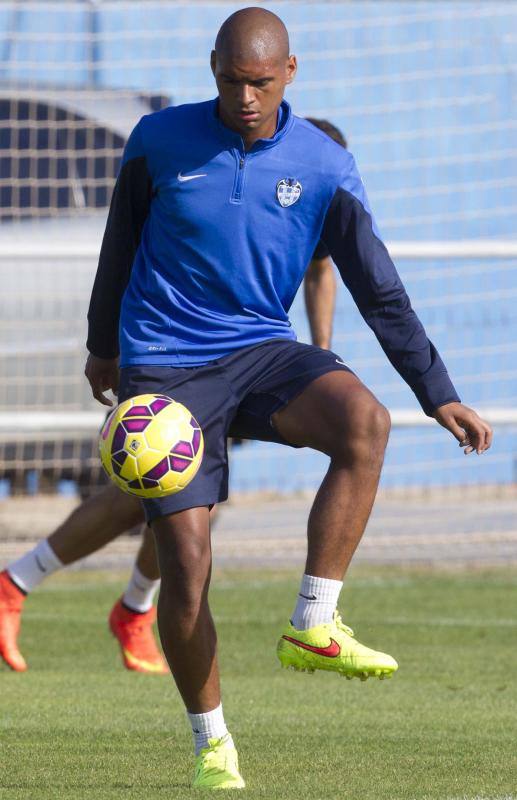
(151,446)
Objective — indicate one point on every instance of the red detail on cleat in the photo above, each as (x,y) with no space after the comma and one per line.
(331,651)
(136,638)
(11,604)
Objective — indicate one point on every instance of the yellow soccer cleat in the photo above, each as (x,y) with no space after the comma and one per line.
(332,647)
(217,766)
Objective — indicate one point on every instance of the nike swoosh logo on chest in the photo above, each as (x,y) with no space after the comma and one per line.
(183,178)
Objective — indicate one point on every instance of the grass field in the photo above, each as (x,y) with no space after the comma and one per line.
(77,725)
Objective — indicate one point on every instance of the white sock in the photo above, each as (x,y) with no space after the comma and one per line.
(207,726)
(317,602)
(34,566)
(140,592)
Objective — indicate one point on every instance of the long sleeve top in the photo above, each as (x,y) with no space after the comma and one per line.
(206,245)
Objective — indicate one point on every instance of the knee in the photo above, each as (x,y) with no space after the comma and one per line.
(378,423)
(182,559)
(185,568)
(365,432)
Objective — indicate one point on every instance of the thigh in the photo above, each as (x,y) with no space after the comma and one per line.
(328,408)
(253,419)
(207,396)
(286,369)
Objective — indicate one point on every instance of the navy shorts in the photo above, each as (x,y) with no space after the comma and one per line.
(232,396)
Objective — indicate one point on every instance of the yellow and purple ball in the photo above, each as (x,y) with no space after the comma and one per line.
(151,446)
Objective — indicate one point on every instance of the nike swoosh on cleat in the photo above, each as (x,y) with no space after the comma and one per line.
(331,651)
(183,178)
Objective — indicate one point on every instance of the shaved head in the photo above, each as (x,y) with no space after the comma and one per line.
(253,33)
(252,66)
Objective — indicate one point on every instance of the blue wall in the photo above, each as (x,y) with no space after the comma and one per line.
(424,91)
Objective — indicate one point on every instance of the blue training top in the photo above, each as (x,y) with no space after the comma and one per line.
(206,245)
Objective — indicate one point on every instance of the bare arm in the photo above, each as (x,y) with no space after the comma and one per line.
(320,299)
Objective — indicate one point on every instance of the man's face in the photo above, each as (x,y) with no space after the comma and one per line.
(250,92)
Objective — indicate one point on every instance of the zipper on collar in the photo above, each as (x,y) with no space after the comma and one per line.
(238,183)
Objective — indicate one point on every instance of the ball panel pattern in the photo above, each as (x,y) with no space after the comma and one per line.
(196,439)
(179,464)
(119,438)
(106,428)
(183,449)
(151,446)
(135,425)
(159,404)
(158,471)
(117,466)
(138,411)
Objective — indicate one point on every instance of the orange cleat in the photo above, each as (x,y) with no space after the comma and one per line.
(11,604)
(135,635)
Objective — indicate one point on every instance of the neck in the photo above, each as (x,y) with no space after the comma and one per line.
(264,131)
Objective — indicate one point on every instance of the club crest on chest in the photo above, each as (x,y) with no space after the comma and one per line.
(288,191)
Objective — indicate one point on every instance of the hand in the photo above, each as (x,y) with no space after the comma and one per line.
(472,432)
(102,374)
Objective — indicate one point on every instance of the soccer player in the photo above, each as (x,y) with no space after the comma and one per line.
(217,208)
(110,512)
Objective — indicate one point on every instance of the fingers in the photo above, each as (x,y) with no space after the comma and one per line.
(489,434)
(467,445)
(102,375)
(485,437)
(472,432)
(459,433)
(97,391)
(98,386)
(478,437)
(101,397)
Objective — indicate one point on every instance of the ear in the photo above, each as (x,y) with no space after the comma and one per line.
(213,62)
(291,68)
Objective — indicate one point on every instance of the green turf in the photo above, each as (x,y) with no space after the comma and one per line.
(77,725)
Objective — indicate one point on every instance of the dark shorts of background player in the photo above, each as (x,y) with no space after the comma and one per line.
(232,396)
